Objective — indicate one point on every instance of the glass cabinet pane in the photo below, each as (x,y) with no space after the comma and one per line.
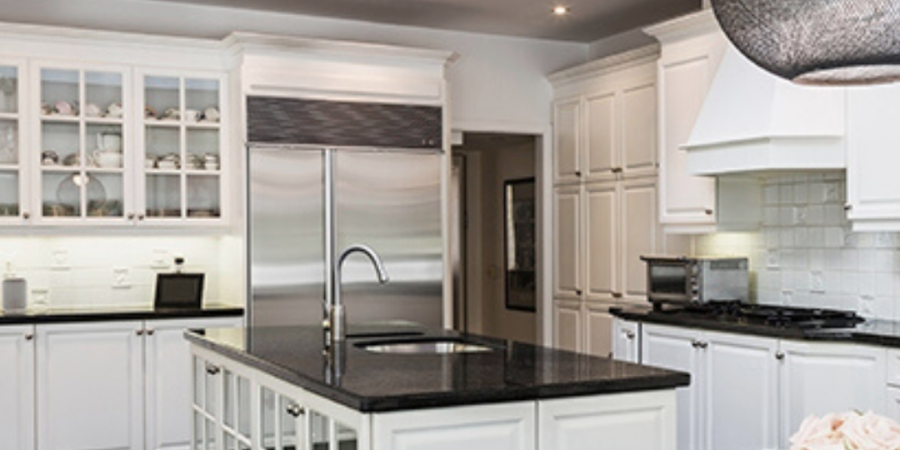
(202,150)
(203,196)
(201,101)
(320,432)
(9,142)
(60,94)
(103,92)
(347,439)
(162,98)
(9,90)
(60,144)
(105,194)
(229,400)
(163,194)
(289,428)
(267,407)
(62,194)
(199,377)
(211,435)
(163,148)
(243,417)
(104,144)
(198,430)
(9,193)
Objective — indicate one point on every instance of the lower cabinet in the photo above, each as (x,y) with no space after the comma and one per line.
(90,386)
(626,341)
(583,327)
(567,325)
(98,386)
(750,393)
(17,388)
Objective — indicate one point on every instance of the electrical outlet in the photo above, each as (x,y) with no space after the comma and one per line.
(61,260)
(121,278)
(773,259)
(816,282)
(40,297)
(160,259)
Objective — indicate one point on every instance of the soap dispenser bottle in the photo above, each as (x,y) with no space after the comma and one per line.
(15,291)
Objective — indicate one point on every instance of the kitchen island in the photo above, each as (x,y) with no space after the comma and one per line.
(390,388)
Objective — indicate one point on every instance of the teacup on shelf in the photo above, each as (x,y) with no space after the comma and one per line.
(49,158)
(191,115)
(211,115)
(92,110)
(171,114)
(211,161)
(107,159)
(64,108)
(115,110)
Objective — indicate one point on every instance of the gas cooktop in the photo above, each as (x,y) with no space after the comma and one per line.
(776,316)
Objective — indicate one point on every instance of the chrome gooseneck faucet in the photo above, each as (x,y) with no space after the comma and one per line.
(335,324)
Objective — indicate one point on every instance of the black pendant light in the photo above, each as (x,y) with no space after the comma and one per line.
(826,42)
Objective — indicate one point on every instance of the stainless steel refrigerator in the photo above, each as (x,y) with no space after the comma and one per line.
(387,199)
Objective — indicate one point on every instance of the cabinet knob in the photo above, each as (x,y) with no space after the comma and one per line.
(848,207)
(616,170)
(150,332)
(577,291)
(578,173)
(212,370)
(617,295)
(779,355)
(629,334)
(130,216)
(26,215)
(140,217)
(29,336)
(708,212)
(139,332)
(704,345)
(295,410)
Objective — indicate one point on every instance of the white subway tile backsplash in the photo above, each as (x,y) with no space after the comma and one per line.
(806,253)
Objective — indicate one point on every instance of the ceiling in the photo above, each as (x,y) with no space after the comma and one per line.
(588,21)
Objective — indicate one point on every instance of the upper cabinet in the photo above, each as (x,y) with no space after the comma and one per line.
(691,49)
(181,142)
(605,119)
(13,160)
(84,137)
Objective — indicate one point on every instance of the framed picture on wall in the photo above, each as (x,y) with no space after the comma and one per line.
(519,249)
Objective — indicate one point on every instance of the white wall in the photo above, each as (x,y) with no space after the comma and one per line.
(498,81)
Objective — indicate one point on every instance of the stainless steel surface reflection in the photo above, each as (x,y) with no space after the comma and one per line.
(429,347)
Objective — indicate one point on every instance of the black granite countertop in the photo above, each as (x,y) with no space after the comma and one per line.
(872,331)
(108,314)
(371,382)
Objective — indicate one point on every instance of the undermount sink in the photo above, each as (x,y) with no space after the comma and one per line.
(426,347)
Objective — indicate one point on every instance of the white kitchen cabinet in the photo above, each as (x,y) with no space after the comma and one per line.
(597,325)
(601,231)
(567,325)
(739,387)
(893,403)
(633,421)
(485,427)
(820,378)
(167,369)
(873,187)
(17,388)
(14,157)
(692,48)
(567,126)
(90,386)
(639,125)
(601,134)
(567,218)
(626,341)
(639,236)
(677,349)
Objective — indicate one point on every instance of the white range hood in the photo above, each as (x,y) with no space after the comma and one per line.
(753,122)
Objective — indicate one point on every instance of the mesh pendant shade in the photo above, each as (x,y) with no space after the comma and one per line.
(817,41)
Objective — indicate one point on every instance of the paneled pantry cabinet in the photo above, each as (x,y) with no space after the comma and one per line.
(605,194)
(108,139)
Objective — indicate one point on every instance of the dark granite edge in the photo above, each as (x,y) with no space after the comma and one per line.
(112,314)
(446,399)
(845,336)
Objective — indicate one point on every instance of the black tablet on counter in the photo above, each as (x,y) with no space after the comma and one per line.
(179,290)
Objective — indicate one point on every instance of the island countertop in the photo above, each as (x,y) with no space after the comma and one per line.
(371,382)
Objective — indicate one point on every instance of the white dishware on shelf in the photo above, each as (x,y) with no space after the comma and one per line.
(191,115)
(211,161)
(150,162)
(92,110)
(115,110)
(109,141)
(64,108)
(211,115)
(107,159)
(171,114)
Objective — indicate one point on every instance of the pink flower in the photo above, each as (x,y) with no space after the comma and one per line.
(847,431)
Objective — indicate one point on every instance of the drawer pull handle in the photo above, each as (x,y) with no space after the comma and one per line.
(212,370)
(708,212)
(617,295)
(295,410)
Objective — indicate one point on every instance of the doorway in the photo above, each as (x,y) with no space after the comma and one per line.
(494,238)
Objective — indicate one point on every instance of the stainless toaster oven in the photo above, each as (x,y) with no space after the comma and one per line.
(688,280)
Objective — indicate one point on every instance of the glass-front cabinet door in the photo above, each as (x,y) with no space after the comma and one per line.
(182,146)
(13,163)
(83,147)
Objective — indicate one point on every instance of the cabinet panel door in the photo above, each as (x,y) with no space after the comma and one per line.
(639,130)
(893,407)
(90,386)
(567,325)
(820,378)
(626,346)
(639,235)
(17,387)
(601,233)
(740,392)
(488,427)
(633,421)
(567,128)
(600,118)
(685,198)
(167,362)
(873,186)
(567,242)
(671,348)
(598,327)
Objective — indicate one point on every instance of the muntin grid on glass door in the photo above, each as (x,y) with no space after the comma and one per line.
(10,138)
(82,140)
(182,151)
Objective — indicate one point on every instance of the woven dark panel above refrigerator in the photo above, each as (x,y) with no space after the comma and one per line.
(274,120)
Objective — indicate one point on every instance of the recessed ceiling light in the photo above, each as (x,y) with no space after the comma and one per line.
(561,10)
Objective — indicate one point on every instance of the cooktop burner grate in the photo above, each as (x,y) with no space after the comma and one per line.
(779,316)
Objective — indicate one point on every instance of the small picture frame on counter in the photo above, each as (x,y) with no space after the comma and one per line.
(179,290)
